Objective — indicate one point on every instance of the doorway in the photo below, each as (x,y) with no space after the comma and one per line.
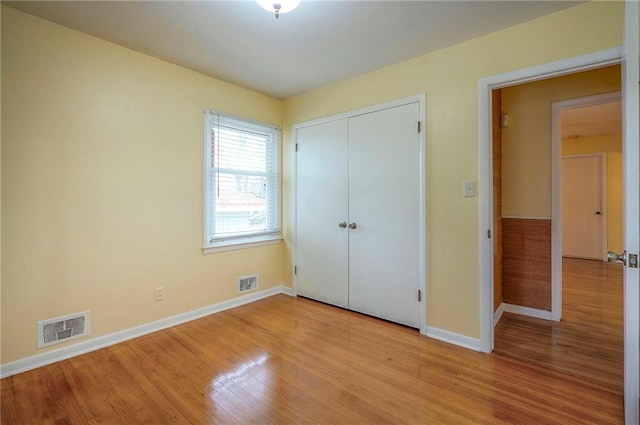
(630,51)
(528,145)
(586,138)
(588,125)
(588,343)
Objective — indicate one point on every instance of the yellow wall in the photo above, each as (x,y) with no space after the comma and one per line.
(450,79)
(526,142)
(102,184)
(612,145)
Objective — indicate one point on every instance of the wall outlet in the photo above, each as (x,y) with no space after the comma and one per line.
(159,293)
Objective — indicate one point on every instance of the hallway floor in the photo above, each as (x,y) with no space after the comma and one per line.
(588,342)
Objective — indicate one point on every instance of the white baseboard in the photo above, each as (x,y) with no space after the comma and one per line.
(454,338)
(527,311)
(498,314)
(33,362)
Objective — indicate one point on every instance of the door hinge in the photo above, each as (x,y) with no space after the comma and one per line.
(296,147)
(419,295)
(489,234)
(419,126)
(295,270)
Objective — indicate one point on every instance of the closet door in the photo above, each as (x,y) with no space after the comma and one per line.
(384,193)
(322,246)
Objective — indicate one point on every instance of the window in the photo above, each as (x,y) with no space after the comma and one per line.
(242,182)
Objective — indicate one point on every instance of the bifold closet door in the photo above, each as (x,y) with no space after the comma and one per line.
(322,245)
(384,194)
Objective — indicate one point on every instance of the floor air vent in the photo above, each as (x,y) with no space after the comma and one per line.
(247,283)
(60,329)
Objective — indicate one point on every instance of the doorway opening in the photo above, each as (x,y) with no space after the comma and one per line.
(527,150)
(586,218)
(554,258)
(630,167)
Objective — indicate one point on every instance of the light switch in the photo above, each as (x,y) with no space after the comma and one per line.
(469,188)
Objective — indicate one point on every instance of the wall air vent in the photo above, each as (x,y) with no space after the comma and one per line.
(60,329)
(247,283)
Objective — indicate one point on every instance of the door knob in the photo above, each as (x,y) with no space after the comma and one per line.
(342,225)
(612,257)
(353,226)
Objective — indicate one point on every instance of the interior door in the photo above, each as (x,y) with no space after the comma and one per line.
(631,208)
(384,193)
(582,207)
(322,248)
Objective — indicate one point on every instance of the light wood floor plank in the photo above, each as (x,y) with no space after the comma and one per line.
(286,360)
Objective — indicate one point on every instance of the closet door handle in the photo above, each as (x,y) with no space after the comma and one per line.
(342,225)
(353,226)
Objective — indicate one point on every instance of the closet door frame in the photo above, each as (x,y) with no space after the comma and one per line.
(422,225)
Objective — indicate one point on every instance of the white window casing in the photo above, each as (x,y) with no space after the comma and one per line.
(242,183)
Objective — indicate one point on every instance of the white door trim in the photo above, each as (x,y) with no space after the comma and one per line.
(485,166)
(421,99)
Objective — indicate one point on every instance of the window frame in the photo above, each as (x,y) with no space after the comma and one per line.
(211,243)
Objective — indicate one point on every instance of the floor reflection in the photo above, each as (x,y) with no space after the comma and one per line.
(239,393)
(249,369)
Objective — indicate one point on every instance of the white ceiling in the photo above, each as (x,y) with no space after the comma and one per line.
(595,120)
(320,43)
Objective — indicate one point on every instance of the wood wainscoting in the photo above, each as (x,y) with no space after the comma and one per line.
(526,267)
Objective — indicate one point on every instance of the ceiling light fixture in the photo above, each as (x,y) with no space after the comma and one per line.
(278,6)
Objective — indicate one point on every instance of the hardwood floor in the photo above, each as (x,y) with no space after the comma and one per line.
(588,343)
(284,360)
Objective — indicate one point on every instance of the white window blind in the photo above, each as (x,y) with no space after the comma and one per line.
(242,188)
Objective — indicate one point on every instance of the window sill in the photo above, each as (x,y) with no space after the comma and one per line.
(235,245)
